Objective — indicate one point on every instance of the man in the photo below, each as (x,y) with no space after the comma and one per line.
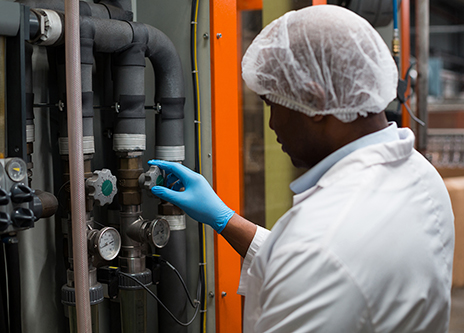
(368,243)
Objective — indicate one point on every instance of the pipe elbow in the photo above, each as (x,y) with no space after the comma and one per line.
(87,27)
(166,64)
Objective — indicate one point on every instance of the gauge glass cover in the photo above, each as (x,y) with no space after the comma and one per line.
(109,243)
(161,233)
(16,169)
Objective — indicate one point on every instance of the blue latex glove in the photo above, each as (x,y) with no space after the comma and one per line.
(198,199)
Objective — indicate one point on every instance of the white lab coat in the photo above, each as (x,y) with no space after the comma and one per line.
(369,248)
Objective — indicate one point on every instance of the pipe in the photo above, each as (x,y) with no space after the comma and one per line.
(169,290)
(422,54)
(14,283)
(3,292)
(103,10)
(76,162)
(169,95)
(2,95)
(30,128)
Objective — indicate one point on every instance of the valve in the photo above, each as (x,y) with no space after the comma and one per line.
(21,193)
(23,218)
(4,197)
(156,232)
(4,221)
(102,186)
(154,176)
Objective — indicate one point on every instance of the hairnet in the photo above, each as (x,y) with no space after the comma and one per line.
(322,60)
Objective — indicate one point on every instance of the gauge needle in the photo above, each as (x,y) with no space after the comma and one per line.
(106,244)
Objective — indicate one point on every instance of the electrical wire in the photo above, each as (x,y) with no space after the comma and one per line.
(198,168)
(180,279)
(197,307)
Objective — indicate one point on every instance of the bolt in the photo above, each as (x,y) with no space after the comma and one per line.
(211,294)
(219,35)
(223,294)
(205,36)
(16,149)
(209,155)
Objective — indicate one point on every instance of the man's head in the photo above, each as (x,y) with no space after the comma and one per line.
(320,61)
(308,140)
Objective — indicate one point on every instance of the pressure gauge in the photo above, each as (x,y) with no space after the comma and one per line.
(160,232)
(106,242)
(16,169)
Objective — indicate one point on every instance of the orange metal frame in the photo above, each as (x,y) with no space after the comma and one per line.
(405,53)
(226,125)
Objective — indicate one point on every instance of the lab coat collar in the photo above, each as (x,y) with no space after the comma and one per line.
(383,149)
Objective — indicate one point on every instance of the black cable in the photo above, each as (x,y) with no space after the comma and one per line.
(197,307)
(181,280)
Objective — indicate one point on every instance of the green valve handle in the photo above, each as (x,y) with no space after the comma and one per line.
(154,176)
(102,187)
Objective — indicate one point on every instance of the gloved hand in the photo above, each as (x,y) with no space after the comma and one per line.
(198,199)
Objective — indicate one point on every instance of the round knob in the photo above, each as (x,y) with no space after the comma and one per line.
(21,193)
(4,197)
(23,218)
(4,221)
(102,186)
(153,177)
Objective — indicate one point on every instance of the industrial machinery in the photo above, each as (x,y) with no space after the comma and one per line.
(80,68)
(89,92)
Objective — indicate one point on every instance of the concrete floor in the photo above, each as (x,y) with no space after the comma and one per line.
(457,311)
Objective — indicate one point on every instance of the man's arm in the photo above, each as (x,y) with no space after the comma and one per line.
(239,233)
(192,193)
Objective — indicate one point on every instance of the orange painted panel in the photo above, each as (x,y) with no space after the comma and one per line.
(405,53)
(226,155)
(319,2)
(249,4)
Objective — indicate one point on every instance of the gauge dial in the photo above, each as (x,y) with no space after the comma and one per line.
(108,243)
(16,169)
(160,232)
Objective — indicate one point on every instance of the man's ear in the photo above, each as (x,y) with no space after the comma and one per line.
(318,118)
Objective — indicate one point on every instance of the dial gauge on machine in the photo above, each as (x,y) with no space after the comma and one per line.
(16,169)
(160,232)
(108,243)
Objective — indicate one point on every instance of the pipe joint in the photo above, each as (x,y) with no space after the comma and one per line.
(50,27)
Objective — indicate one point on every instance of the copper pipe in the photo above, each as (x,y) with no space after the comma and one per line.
(76,165)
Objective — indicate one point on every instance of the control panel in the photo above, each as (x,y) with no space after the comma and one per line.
(16,198)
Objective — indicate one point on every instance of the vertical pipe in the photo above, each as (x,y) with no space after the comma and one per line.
(2,95)
(76,160)
(405,53)
(3,293)
(14,284)
(422,52)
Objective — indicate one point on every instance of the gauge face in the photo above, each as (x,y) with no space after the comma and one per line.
(16,169)
(160,233)
(109,243)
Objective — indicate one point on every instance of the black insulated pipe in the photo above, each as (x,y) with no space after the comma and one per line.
(87,34)
(169,94)
(30,130)
(102,10)
(129,89)
(14,284)
(170,290)
(3,291)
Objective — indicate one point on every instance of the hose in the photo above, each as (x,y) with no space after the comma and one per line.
(76,165)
